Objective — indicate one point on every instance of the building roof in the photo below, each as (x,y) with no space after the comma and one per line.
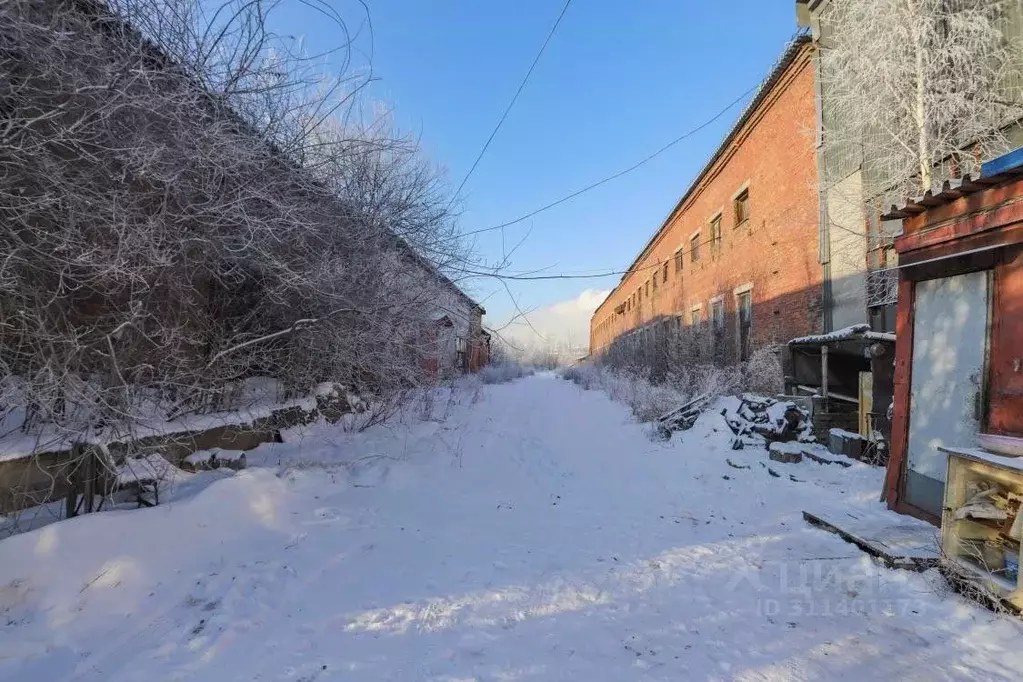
(995,172)
(788,56)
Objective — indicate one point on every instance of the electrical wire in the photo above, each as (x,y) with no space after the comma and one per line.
(515,97)
(645,160)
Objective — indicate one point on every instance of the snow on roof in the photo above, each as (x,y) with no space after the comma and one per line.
(856,331)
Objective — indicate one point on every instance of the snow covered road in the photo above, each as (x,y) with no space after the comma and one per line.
(537,533)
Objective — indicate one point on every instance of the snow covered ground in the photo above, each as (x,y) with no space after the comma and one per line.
(535,534)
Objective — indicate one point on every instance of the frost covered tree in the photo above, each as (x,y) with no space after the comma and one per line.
(920,89)
(187,202)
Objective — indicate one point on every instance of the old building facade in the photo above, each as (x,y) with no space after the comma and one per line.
(739,251)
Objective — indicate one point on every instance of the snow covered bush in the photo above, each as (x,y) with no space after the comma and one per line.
(503,372)
(663,366)
(705,379)
(647,400)
(763,373)
(585,375)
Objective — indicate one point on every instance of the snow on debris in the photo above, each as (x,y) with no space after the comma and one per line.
(151,467)
(14,444)
(848,435)
(535,534)
(789,448)
(215,458)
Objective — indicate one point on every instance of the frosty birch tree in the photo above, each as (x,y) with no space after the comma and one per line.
(919,89)
(914,92)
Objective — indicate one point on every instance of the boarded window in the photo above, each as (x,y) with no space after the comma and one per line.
(715,236)
(694,247)
(744,314)
(741,204)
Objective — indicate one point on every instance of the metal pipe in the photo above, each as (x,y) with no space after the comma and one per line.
(824,372)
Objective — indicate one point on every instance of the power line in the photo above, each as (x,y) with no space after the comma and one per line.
(631,271)
(615,176)
(513,99)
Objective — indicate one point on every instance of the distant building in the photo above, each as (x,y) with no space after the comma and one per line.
(456,342)
(739,251)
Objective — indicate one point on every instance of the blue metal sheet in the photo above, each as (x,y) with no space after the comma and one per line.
(1006,162)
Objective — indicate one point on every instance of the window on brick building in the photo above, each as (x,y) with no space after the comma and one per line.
(679,260)
(664,271)
(694,247)
(717,323)
(654,279)
(694,316)
(715,236)
(744,323)
(741,204)
(648,288)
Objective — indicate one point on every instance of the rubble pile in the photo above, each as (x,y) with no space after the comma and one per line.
(760,421)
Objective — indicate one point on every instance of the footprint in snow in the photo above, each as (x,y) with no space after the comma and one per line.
(326,515)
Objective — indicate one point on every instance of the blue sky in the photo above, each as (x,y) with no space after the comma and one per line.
(618,81)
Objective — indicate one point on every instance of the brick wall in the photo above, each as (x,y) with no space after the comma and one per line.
(773,253)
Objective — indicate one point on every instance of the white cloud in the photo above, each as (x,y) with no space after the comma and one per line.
(565,324)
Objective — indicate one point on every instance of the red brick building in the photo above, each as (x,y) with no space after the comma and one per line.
(740,249)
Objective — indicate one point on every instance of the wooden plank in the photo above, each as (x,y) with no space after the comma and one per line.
(1005,407)
(903,369)
(680,410)
(899,542)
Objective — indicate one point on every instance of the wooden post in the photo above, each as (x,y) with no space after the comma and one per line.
(90,480)
(824,372)
(73,478)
